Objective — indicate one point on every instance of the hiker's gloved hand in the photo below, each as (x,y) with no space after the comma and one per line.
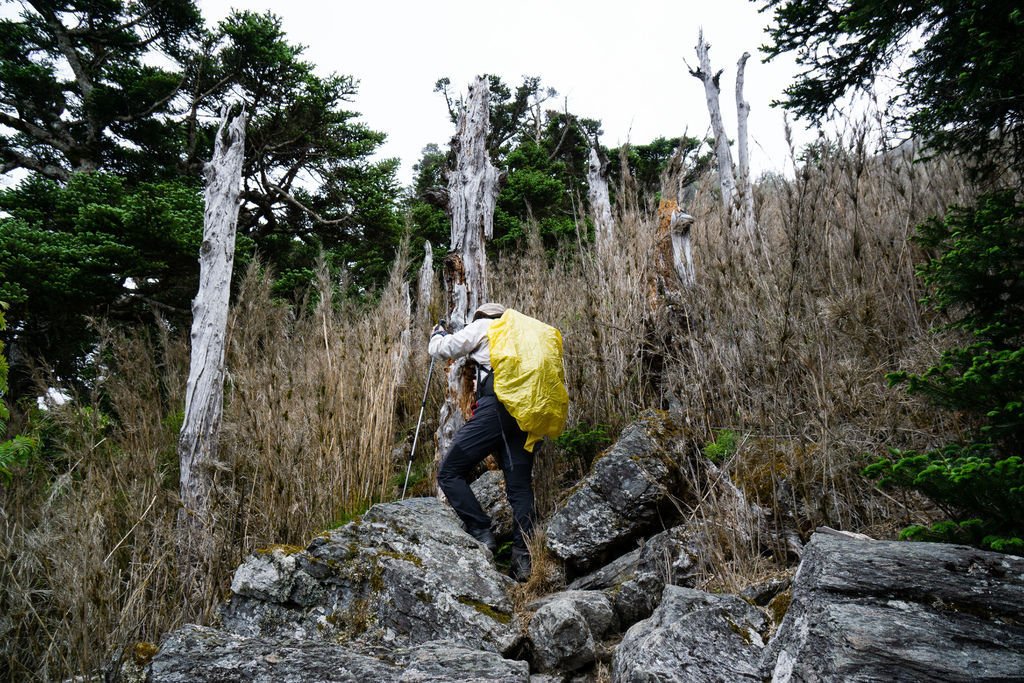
(438,329)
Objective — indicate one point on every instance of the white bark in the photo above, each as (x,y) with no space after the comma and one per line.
(737,193)
(401,351)
(472,194)
(742,112)
(723,154)
(197,443)
(425,289)
(682,256)
(600,204)
(744,187)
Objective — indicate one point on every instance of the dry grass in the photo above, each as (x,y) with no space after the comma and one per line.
(315,403)
(784,341)
(789,345)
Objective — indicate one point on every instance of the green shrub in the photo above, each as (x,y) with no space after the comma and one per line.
(725,444)
(977,280)
(582,443)
(15,452)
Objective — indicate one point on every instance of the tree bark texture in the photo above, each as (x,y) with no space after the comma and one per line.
(712,90)
(682,257)
(425,287)
(673,256)
(744,187)
(737,198)
(600,204)
(197,443)
(472,194)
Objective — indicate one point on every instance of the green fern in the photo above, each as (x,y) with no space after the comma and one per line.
(16,452)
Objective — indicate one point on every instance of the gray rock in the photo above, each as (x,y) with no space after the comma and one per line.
(762,593)
(693,636)
(197,654)
(405,574)
(613,574)
(622,496)
(273,577)
(886,610)
(635,581)
(567,627)
(489,489)
(441,662)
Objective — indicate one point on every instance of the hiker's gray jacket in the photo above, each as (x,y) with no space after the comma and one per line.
(470,341)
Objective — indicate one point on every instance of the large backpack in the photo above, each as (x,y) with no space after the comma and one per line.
(529,379)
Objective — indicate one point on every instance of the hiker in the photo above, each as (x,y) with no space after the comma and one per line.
(491,430)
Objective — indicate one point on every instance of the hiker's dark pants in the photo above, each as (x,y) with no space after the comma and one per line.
(478,438)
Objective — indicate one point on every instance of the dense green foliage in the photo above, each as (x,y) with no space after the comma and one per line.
(962,89)
(688,157)
(977,280)
(581,444)
(308,182)
(95,247)
(427,202)
(109,221)
(79,91)
(21,448)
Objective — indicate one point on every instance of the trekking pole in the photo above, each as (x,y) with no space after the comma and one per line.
(415,438)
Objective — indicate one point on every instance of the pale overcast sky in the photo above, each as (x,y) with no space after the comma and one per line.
(618,62)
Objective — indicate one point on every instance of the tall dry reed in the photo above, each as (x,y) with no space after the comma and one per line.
(784,340)
(315,400)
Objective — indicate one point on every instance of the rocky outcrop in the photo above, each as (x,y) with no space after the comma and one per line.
(693,636)
(405,573)
(635,581)
(489,489)
(196,654)
(404,594)
(886,610)
(566,629)
(441,661)
(622,496)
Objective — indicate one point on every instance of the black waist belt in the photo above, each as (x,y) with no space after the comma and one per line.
(484,382)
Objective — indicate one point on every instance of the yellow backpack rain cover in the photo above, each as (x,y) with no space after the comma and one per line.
(529,380)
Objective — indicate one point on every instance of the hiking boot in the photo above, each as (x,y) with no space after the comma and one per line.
(486,537)
(521,565)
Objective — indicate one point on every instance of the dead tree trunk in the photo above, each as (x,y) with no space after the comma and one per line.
(197,443)
(734,196)
(600,204)
(682,255)
(743,184)
(472,193)
(425,288)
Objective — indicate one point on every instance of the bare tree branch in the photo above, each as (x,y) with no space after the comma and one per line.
(17,160)
(85,83)
(34,131)
(290,199)
(128,118)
